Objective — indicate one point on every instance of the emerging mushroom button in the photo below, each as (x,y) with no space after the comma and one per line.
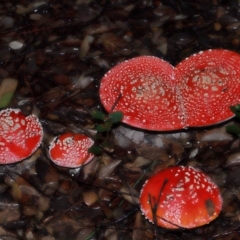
(71,150)
(20,135)
(180,197)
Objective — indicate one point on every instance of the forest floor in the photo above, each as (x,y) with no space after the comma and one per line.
(58,51)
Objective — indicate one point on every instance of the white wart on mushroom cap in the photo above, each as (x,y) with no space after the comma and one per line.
(20,135)
(71,150)
(180,197)
(156,96)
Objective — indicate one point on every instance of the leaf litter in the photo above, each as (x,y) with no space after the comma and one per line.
(65,50)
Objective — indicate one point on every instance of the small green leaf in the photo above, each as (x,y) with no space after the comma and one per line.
(98,115)
(7,89)
(237,114)
(5,99)
(96,150)
(104,127)
(115,117)
(235,108)
(233,129)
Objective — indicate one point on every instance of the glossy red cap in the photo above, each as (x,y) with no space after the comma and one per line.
(180,197)
(71,150)
(20,135)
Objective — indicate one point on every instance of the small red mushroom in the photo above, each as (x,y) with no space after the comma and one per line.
(71,150)
(154,95)
(180,197)
(20,135)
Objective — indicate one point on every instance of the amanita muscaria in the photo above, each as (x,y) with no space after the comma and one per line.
(180,197)
(154,95)
(71,150)
(20,135)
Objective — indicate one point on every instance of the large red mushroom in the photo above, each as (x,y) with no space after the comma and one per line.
(208,84)
(180,197)
(20,135)
(154,95)
(71,150)
(147,90)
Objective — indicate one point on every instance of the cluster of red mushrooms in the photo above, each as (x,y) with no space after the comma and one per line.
(20,137)
(152,95)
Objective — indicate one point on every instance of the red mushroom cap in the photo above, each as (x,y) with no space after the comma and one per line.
(180,197)
(20,135)
(156,96)
(148,93)
(209,84)
(71,150)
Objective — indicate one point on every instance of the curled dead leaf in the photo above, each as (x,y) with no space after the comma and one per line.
(112,42)
(105,171)
(130,194)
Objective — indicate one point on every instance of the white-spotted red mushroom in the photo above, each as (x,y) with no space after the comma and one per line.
(71,150)
(154,95)
(180,197)
(148,93)
(209,84)
(20,135)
